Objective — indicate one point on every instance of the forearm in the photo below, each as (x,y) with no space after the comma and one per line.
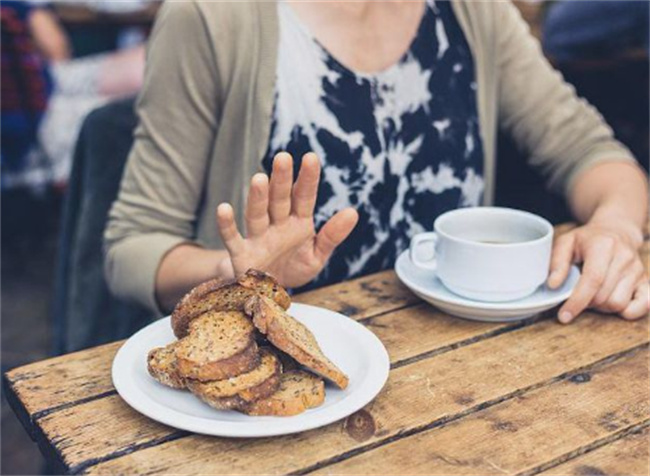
(48,35)
(186,266)
(612,193)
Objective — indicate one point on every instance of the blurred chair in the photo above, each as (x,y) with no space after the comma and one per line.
(601,47)
(85,313)
(596,30)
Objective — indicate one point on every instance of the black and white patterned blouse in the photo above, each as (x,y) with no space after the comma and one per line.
(401,146)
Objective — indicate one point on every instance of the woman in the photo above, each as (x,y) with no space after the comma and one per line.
(400,101)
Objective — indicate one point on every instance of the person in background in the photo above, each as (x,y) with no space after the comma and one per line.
(46,93)
(371,118)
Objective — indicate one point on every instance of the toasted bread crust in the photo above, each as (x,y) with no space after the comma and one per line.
(272,321)
(269,365)
(298,392)
(161,364)
(225,295)
(237,364)
(220,345)
(266,285)
(238,392)
(238,402)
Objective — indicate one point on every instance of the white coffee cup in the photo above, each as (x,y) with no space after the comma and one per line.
(487,253)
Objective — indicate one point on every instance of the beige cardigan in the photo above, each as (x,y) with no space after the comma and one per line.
(205,111)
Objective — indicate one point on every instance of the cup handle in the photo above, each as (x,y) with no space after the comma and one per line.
(416,241)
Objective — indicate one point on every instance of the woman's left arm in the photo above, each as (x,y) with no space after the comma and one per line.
(611,199)
(569,142)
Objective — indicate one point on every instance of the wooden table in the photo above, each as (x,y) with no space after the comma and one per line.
(463,397)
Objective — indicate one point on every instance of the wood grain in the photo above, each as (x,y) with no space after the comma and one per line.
(429,391)
(363,297)
(100,427)
(84,375)
(408,333)
(61,380)
(628,456)
(64,380)
(444,370)
(423,330)
(521,433)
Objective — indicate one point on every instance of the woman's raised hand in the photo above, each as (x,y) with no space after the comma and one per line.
(280,235)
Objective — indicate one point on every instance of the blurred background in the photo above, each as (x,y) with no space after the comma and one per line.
(70,72)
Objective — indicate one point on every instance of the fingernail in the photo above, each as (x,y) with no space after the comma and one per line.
(565,317)
(553,276)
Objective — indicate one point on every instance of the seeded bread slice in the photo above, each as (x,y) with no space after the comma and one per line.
(299,391)
(220,345)
(238,392)
(161,364)
(225,295)
(292,337)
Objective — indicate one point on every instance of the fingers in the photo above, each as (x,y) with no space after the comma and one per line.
(624,257)
(306,187)
(622,294)
(640,305)
(597,259)
(334,232)
(257,206)
(561,260)
(280,188)
(230,235)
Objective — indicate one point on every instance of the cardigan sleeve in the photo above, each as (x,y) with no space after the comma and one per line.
(562,133)
(165,173)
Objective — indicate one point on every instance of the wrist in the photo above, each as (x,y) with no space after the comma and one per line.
(224,268)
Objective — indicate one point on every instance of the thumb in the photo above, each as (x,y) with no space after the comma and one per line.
(334,232)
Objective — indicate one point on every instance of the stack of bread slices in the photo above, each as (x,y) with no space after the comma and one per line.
(238,349)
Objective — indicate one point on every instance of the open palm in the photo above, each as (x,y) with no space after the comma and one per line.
(280,235)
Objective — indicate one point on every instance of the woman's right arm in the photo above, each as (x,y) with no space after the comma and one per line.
(150,255)
(184,267)
(163,181)
(279,238)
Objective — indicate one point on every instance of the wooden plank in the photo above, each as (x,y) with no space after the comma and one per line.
(65,380)
(363,297)
(61,380)
(82,431)
(407,334)
(422,330)
(629,455)
(521,433)
(84,375)
(421,393)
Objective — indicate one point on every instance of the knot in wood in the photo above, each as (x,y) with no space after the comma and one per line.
(360,425)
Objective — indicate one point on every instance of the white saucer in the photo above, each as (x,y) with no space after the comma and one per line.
(355,349)
(425,285)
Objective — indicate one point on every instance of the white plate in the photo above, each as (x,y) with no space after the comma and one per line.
(425,285)
(356,350)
